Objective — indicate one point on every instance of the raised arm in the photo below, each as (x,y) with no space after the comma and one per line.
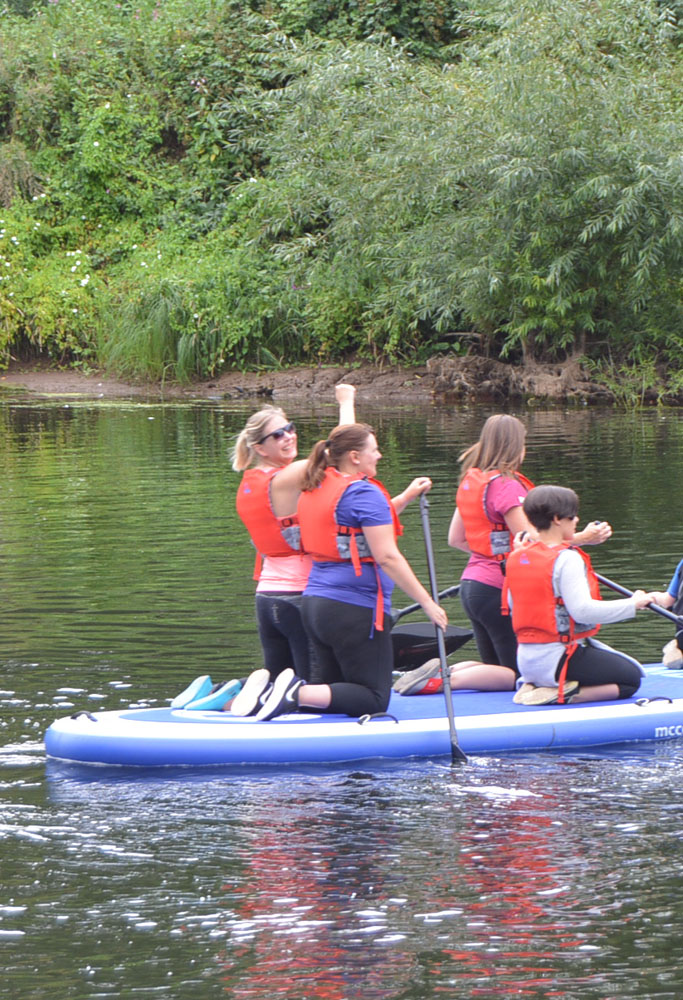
(286,485)
(345,395)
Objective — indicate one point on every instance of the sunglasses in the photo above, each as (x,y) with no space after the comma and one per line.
(277,435)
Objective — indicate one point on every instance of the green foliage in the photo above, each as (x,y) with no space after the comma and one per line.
(533,191)
(427,26)
(295,179)
(634,384)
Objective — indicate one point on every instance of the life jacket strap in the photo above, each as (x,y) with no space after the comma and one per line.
(258,565)
(355,557)
(571,649)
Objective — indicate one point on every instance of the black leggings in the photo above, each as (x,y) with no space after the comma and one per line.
(492,629)
(591,666)
(353,657)
(282,634)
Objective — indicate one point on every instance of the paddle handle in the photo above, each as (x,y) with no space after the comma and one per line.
(457,754)
(676,619)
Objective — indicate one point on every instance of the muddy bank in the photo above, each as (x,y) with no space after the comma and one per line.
(449,379)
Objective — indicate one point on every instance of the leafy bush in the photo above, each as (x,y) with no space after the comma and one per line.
(533,191)
(273,182)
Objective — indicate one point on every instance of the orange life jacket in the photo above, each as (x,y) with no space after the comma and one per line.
(271,535)
(484,536)
(537,614)
(326,540)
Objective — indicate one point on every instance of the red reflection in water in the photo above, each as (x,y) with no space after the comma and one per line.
(491,919)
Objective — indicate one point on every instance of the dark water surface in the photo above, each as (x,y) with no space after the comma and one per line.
(123,574)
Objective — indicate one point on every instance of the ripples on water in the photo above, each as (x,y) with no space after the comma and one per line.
(530,876)
(123,575)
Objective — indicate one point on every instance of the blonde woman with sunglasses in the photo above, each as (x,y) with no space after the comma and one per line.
(265,451)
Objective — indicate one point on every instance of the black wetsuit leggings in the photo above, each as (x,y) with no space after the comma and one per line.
(493,633)
(282,634)
(591,666)
(351,655)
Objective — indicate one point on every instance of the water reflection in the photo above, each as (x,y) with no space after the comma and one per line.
(517,877)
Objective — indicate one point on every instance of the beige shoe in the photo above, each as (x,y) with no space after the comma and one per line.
(522,693)
(529,694)
(672,656)
(422,680)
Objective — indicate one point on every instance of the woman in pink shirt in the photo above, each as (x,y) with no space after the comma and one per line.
(487,517)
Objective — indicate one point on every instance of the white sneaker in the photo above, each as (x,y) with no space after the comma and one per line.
(248,700)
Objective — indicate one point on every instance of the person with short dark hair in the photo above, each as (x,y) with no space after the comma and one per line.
(557,609)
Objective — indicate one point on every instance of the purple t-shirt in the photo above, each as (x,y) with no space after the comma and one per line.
(361,505)
(503,494)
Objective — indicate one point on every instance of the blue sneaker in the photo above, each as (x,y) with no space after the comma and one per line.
(215,699)
(283,697)
(199,687)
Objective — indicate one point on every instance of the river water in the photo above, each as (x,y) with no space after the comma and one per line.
(123,574)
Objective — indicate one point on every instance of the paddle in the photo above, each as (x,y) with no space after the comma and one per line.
(448,592)
(457,755)
(651,607)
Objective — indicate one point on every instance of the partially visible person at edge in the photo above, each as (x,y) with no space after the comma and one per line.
(266,450)
(672,599)
(349,524)
(556,609)
(487,516)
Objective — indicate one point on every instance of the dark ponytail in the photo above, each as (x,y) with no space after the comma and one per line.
(348,437)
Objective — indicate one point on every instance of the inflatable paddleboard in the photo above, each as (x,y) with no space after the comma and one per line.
(415,726)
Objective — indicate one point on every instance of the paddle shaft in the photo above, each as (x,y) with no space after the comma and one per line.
(651,607)
(457,755)
(448,592)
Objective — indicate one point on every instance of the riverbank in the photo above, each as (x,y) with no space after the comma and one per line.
(441,379)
